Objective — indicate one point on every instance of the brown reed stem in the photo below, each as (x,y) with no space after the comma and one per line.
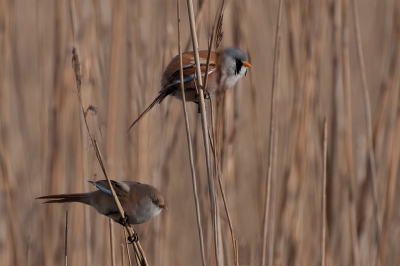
(390,192)
(204,127)
(127,248)
(348,132)
(113,93)
(368,117)
(325,158)
(122,255)
(218,171)
(272,147)
(216,30)
(66,240)
(138,249)
(189,142)
(110,226)
(78,77)
(82,131)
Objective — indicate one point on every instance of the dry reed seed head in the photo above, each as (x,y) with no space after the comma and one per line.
(76,65)
(219,32)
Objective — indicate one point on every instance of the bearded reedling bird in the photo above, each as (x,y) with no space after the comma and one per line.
(225,69)
(141,202)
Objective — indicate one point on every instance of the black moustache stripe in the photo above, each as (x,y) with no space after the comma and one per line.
(239,65)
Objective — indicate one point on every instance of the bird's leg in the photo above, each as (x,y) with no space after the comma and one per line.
(134,238)
(196,98)
(207,95)
(123,221)
(196,101)
(198,108)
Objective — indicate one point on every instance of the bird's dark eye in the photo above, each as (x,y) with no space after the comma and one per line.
(239,65)
(155,202)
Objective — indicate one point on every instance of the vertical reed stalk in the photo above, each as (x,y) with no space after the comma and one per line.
(84,171)
(122,255)
(66,240)
(325,157)
(189,143)
(204,127)
(110,226)
(127,248)
(348,137)
(268,216)
(218,172)
(215,39)
(368,118)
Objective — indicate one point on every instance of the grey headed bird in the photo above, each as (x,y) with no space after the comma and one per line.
(225,69)
(141,202)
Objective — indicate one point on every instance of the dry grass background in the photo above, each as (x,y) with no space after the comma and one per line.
(123,47)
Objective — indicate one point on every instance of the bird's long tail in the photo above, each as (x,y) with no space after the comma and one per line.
(62,198)
(164,93)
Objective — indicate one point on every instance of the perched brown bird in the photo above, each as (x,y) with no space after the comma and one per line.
(225,69)
(141,202)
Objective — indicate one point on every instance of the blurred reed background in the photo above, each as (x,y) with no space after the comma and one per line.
(124,47)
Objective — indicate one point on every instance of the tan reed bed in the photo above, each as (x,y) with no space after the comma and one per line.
(333,58)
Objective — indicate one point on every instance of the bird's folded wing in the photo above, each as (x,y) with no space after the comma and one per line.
(172,74)
(188,75)
(119,187)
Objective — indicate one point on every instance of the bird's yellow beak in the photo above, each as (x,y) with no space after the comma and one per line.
(162,206)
